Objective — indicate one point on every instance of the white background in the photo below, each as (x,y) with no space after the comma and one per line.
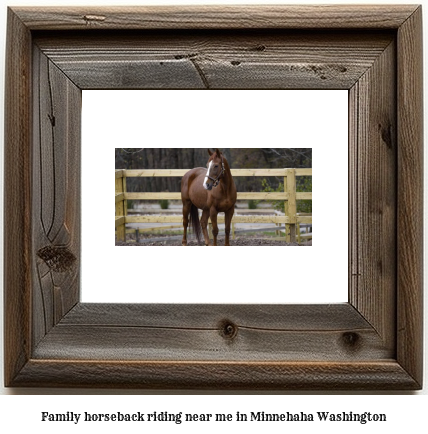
(209,119)
(407,413)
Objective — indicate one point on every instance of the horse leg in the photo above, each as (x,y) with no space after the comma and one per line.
(186,210)
(213,217)
(227,220)
(204,224)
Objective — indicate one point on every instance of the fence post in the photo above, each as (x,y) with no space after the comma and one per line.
(292,204)
(287,226)
(121,206)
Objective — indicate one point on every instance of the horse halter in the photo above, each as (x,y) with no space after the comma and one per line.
(216,181)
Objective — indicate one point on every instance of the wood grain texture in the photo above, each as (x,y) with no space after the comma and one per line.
(376,375)
(17,199)
(373,177)
(56,194)
(217,17)
(198,332)
(374,342)
(298,317)
(410,197)
(216,59)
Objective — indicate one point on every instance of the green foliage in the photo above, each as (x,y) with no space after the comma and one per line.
(164,203)
(188,158)
(266,187)
(252,204)
(303,184)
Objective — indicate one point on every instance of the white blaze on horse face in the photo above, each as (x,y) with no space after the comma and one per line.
(206,186)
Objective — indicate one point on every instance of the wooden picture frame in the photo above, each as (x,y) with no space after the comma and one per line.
(372,342)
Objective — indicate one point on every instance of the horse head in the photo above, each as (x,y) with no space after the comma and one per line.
(215,169)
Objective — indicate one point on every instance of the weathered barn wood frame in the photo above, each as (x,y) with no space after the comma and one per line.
(372,342)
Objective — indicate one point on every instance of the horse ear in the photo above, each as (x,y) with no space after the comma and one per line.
(218,152)
(209,153)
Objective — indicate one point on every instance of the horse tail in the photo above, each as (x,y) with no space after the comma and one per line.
(194,221)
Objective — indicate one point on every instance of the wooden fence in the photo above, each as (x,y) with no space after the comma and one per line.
(289,196)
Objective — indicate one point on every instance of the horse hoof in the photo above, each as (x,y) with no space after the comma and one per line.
(184,243)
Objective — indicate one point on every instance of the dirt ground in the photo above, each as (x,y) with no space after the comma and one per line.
(239,241)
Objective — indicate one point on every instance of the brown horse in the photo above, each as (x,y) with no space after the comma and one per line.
(212,190)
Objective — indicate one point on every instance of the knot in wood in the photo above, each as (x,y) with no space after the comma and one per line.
(260,48)
(386,134)
(227,329)
(58,259)
(94,18)
(351,340)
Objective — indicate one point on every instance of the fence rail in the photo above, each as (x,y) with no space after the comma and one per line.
(289,196)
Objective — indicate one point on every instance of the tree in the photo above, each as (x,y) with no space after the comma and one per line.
(188,158)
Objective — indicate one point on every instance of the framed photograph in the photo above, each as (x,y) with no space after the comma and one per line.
(371,341)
